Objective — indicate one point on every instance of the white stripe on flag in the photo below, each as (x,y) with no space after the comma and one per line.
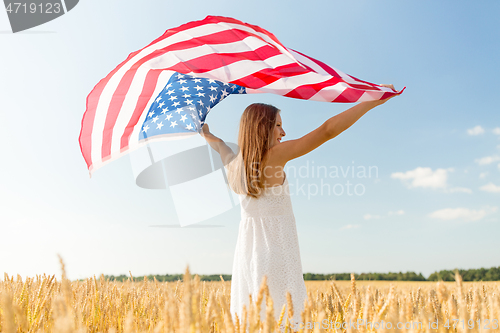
(306,61)
(160,84)
(243,68)
(266,38)
(329,93)
(287,84)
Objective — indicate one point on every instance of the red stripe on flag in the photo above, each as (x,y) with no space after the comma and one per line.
(211,62)
(374,85)
(117,101)
(309,90)
(269,75)
(217,19)
(363,87)
(114,109)
(144,97)
(88,118)
(349,96)
(325,67)
(332,72)
(216,38)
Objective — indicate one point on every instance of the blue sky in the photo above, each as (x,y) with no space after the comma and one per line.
(433,205)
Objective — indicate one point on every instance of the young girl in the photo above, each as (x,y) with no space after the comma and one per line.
(267,241)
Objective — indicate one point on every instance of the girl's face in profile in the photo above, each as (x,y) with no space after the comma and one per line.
(278,131)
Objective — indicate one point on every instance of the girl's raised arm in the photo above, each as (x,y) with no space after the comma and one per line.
(290,149)
(218,145)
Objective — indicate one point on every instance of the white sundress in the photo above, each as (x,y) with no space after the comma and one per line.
(268,245)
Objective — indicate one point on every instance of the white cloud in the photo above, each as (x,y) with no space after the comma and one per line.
(370,216)
(350,226)
(496,130)
(475,130)
(423,177)
(490,187)
(464,214)
(483,175)
(426,178)
(398,212)
(487,160)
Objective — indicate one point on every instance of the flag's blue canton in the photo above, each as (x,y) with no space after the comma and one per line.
(184,103)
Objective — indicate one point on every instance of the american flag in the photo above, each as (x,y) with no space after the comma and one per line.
(183,105)
(124,110)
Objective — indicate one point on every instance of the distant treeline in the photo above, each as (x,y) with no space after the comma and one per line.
(168,277)
(481,274)
(408,276)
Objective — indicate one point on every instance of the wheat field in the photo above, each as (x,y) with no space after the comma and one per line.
(48,304)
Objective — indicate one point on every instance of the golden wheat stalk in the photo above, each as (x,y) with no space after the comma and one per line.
(40,305)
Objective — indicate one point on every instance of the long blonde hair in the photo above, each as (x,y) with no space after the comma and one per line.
(254,139)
